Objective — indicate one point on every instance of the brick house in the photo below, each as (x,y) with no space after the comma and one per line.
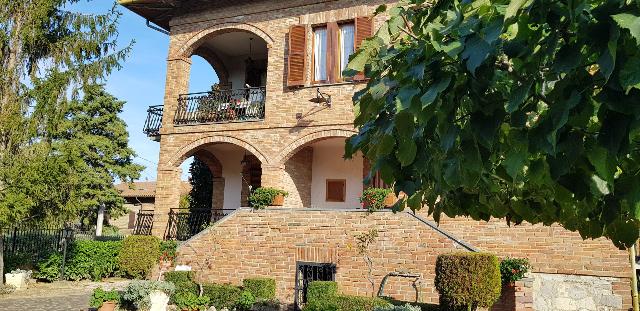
(279,118)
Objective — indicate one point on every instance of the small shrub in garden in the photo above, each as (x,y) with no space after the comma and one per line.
(263,196)
(266,305)
(92,260)
(260,288)
(357,303)
(101,296)
(49,268)
(245,301)
(183,280)
(138,255)
(373,198)
(513,269)
(168,250)
(137,292)
(191,302)
(405,307)
(467,281)
(222,295)
(321,290)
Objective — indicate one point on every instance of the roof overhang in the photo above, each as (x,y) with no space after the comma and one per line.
(158,12)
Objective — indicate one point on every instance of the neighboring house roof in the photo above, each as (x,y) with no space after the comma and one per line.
(145,189)
(160,12)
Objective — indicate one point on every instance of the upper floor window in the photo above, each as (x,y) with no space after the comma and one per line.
(331,46)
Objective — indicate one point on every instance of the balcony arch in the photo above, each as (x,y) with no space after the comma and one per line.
(190,46)
(193,147)
(303,141)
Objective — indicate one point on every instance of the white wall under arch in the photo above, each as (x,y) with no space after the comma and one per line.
(328,163)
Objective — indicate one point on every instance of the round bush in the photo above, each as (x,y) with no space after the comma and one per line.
(138,255)
(467,281)
(260,288)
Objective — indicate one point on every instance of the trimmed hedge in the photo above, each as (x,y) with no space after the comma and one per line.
(138,255)
(467,281)
(183,280)
(260,288)
(323,296)
(85,260)
(222,295)
(319,290)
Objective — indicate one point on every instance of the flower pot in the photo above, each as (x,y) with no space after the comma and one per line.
(18,280)
(108,306)
(278,200)
(390,200)
(159,301)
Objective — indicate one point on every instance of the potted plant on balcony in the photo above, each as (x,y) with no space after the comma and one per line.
(264,196)
(374,199)
(104,300)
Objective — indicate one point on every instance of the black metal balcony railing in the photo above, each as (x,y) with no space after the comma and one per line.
(185,223)
(221,106)
(144,222)
(154,121)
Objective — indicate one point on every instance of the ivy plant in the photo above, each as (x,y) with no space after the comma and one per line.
(527,110)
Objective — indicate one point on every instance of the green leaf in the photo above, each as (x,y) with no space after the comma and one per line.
(433,91)
(567,58)
(631,22)
(599,186)
(603,162)
(513,8)
(358,61)
(404,124)
(406,151)
(517,97)
(417,71)
(514,162)
(405,97)
(630,74)
(475,53)
(607,60)
(386,145)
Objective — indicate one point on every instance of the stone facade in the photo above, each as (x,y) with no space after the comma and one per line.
(576,292)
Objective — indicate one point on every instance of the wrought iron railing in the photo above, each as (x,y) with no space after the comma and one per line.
(185,223)
(154,121)
(221,106)
(144,222)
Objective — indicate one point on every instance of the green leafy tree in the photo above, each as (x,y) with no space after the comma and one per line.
(201,181)
(97,137)
(48,54)
(525,110)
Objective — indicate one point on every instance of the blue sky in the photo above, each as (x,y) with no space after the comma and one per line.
(141,80)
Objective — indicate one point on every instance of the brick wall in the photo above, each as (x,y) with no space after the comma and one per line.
(269,242)
(298,173)
(516,297)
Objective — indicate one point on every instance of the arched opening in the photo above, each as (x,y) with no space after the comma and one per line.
(221,176)
(317,175)
(236,92)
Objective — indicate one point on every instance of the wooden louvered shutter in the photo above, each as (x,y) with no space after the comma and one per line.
(297,60)
(364,30)
(333,51)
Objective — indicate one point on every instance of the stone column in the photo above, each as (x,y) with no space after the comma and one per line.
(218,198)
(178,72)
(167,197)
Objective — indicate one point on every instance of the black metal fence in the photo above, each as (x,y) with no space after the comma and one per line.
(144,223)
(221,106)
(185,223)
(307,272)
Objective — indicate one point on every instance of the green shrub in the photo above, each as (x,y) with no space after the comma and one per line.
(92,260)
(346,303)
(191,302)
(467,281)
(49,269)
(260,288)
(245,301)
(373,198)
(266,305)
(138,255)
(513,269)
(321,290)
(183,280)
(136,294)
(168,250)
(263,196)
(222,295)
(405,307)
(101,296)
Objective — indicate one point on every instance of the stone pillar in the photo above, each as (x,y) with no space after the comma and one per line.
(217,195)
(178,73)
(167,197)
(272,175)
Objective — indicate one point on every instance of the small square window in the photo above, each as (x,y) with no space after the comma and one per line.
(336,190)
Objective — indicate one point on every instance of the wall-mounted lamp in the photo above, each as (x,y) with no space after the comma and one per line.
(322,98)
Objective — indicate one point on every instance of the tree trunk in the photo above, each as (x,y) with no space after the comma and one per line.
(1,257)
(100,220)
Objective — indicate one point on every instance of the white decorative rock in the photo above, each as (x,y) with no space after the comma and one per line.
(159,301)
(18,280)
(183,268)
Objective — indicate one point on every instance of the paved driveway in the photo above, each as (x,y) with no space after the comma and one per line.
(63,302)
